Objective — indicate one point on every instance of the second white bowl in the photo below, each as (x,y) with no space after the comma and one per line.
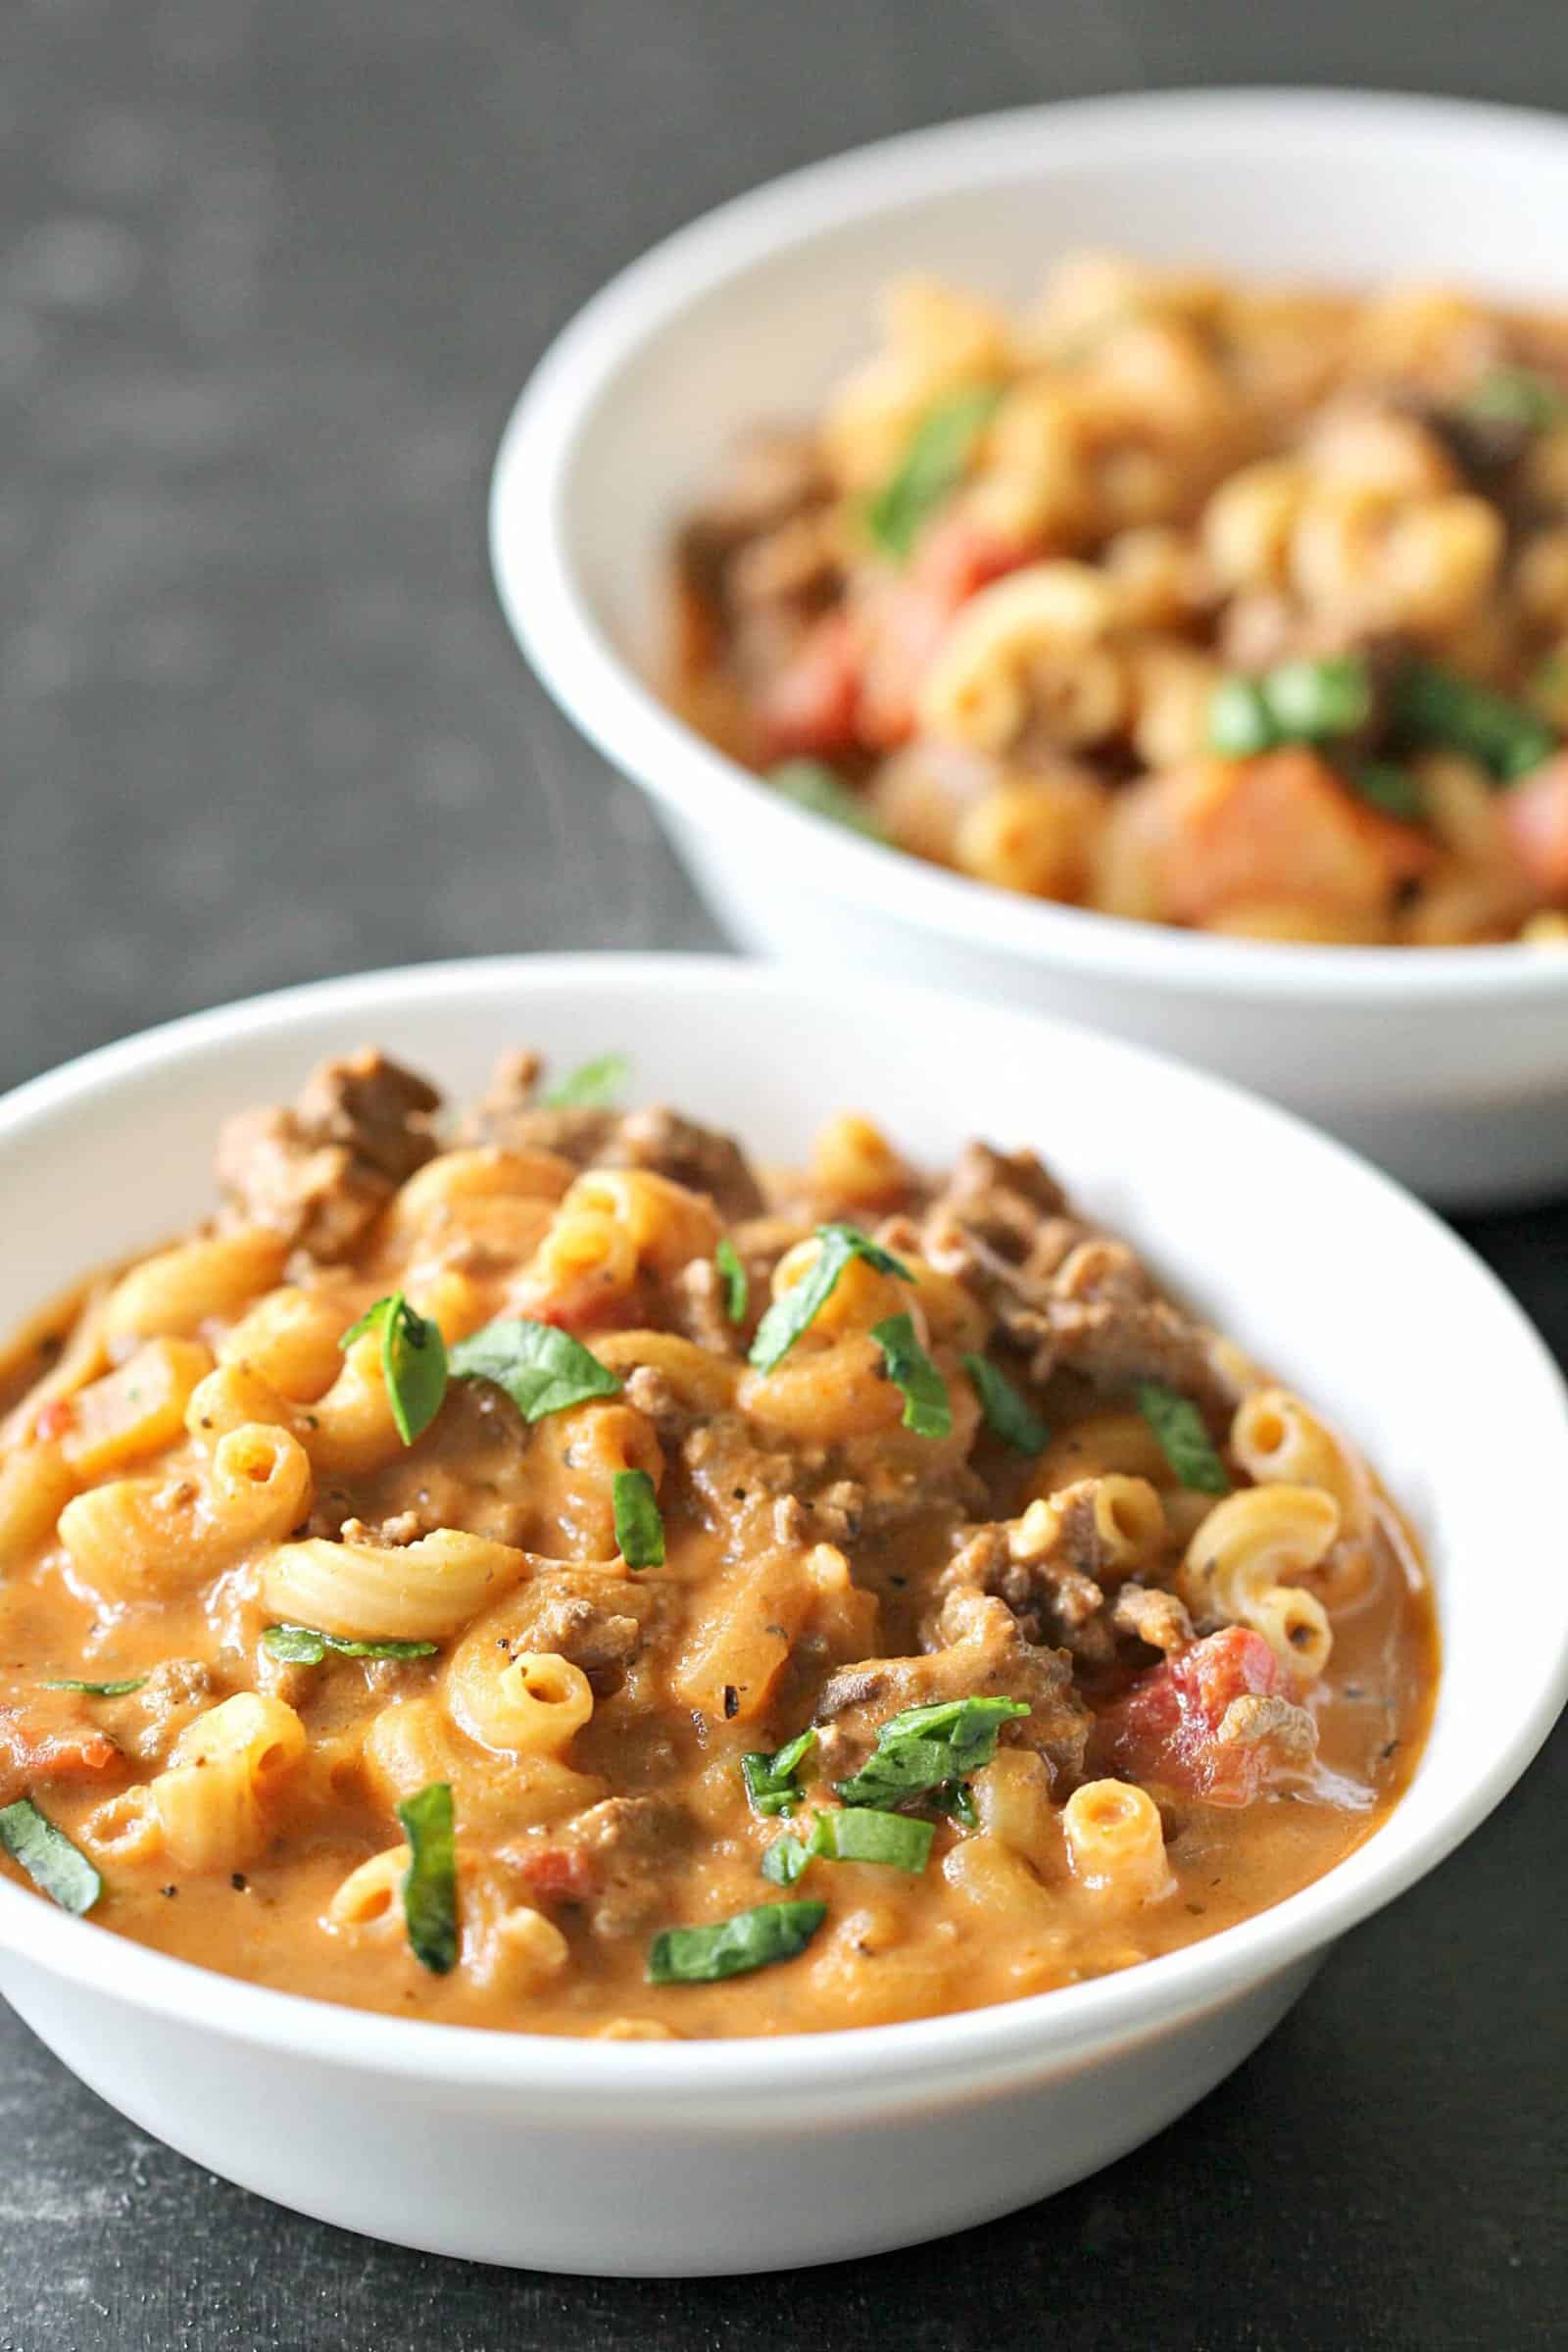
(1450,1065)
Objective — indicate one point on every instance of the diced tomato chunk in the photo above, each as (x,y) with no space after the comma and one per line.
(808,707)
(556,1873)
(36,1744)
(906,619)
(1166,1728)
(1534,819)
(54,1419)
(1279,827)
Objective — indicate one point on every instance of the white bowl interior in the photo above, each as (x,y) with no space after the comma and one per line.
(1321,1267)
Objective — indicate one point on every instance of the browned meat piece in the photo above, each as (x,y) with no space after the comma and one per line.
(699,1158)
(1146,1613)
(983,1656)
(1051,1592)
(322,1171)
(1268,1721)
(375,1108)
(697,1301)
(590,1615)
(773,478)
(172,1696)
(615,1859)
(1076,1301)
(601,1642)
(1119,1343)
(660,1139)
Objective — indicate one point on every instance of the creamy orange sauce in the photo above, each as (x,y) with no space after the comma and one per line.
(807,1532)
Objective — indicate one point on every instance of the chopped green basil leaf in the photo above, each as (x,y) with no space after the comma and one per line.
(859,1834)
(789,1316)
(1313,701)
(1393,790)
(1433,705)
(55,1866)
(98,1690)
(306,1645)
(812,786)
(732,1273)
(1240,722)
(1295,702)
(957,1800)
(926,1747)
(772,1782)
(430,1882)
(593,1086)
(1003,1408)
(542,1370)
(1183,1437)
(931,469)
(926,1410)
(785,1859)
(733,1947)
(414,1362)
(639,1529)
(1519,396)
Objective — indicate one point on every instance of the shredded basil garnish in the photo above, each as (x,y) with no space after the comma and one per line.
(733,1947)
(1519,396)
(430,1882)
(414,1361)
(789,1316)
(786,1858)
(929,1747)
(1393,789)
(814,787)
(594,1086)
(931,469)
(308,1646)
(1005,1410)
(98,1690)
(772,1782)
(957,1800)
(733,1275)
(1184,1439)
(56,1867)
(542,1370)
(1433,705)
(927,1409)
(639,1529)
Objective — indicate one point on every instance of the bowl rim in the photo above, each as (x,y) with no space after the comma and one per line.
(858,2068)
(625,718)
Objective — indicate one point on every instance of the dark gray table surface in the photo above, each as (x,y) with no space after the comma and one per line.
(269,276)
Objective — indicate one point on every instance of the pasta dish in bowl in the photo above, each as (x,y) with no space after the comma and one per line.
(1148,584)
(810,1626)
(546,1574)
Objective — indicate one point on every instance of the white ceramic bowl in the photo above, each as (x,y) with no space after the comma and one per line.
(742,2155)
(1448,1065)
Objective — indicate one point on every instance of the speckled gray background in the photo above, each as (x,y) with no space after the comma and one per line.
(271,272)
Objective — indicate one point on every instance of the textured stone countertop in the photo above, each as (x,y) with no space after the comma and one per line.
(270,273)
